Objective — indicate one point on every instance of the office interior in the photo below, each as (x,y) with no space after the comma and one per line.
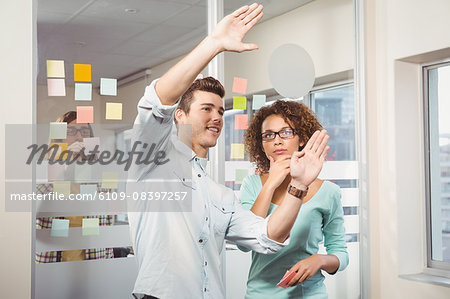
(381,90)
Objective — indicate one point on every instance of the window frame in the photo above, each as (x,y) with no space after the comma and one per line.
(433,267)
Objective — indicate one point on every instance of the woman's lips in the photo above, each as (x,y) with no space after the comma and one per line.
(279,151)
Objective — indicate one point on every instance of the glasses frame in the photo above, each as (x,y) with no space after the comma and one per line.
(278,133)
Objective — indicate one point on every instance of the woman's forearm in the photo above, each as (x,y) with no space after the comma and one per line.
(262,202)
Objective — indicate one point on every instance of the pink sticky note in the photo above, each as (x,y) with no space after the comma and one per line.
(55,172)
(286,279)
(239,85)
(90,143)
(56,88)
(85,114)
(241,121)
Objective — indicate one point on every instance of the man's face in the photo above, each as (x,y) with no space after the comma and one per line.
(206,118)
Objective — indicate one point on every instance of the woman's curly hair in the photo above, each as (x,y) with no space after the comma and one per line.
(297,115)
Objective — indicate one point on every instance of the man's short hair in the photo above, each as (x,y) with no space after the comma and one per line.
(208,84)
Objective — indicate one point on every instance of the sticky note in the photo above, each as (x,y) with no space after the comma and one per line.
(83,172)
(90,144)
(90,227)
(61,151)
(82,72)
(62,187)
(240,103)
(85,114)
(55,69)
(108,87)
(56,172)
(60,228)
(56,87)
(237,151)
(109,180)
(83,92)
(88,189)
(58,130)
(241,121)
(114,111)
(259,100)
(240,175)
(239,85)
(286,279)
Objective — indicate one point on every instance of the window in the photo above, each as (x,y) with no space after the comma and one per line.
(437,151)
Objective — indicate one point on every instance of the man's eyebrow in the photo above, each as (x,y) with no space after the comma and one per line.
(212,105)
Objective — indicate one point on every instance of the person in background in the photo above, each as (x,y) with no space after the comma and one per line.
(75,134)
(274,134)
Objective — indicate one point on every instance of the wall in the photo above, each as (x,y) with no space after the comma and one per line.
(17,108)
(396,30)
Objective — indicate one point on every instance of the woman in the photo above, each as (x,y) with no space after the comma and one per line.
(275,133)
(75,134)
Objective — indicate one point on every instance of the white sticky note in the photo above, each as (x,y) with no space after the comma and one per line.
(90,144)
(88,189)
(83,92)
(56,87)
(58,130)
(108,87)
(60,228)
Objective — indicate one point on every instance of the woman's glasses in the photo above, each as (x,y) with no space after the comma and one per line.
(284,134)
(84,131)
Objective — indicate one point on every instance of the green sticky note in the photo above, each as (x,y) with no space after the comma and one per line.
(90,227)
(240,175)
(58,130)
(60,228)
(83,172)
(240,103)
(62,187)
(237,151)
(259,100)
(83,92)
(109,180)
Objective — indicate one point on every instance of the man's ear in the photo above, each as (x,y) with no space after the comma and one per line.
(179,115)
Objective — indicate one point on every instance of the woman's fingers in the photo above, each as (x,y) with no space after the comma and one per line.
(240,11)
(250,9)
(318,141)
(311,141)
(324,154)
(252,15)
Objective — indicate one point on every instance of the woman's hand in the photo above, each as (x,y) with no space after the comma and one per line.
(278,171)
(306,165)
(230,31)
(76,147)
(305,269)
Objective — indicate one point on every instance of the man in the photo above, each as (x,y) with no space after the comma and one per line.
(180,253)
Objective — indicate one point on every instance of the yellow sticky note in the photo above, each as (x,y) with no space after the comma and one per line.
(114,111)
(241,121)
(237,151)
(90,227)
(239,85)
(62,149)
(109,180)
(61,187)
(82,72)
(55,69)
(240,103)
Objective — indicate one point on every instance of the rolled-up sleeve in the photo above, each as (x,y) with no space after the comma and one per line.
(250,231)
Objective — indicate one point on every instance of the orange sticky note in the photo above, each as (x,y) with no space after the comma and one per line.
(239,85)
(237,151)
(241,121)
(56,88)
(85,114)
(82,72)
(114,111)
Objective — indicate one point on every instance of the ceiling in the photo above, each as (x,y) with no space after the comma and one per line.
(122,37)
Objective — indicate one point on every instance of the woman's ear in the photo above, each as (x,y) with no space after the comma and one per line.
(301,146)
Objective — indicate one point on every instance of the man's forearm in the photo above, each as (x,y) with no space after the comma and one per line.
(178,79)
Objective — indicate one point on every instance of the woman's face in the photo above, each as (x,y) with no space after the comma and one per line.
(76,132)
(278,146)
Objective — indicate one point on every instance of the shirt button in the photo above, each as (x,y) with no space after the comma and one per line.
(200,241)
(206,218)
(206,263)
(204,290)
(199,175)
(223,209)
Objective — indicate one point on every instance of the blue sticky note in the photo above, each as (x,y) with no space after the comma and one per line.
(60,228)
(108,87)
(88,189)
(90,227)
(83,92)
(259,100)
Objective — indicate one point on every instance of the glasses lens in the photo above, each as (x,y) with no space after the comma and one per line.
(71,131)
(268,136)
(286,133)
(85,132)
